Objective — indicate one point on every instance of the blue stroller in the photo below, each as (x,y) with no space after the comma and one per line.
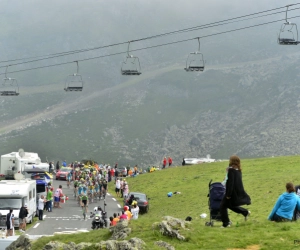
(216,194)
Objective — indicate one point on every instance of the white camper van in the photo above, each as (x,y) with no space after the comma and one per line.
(14,194)
(14,162)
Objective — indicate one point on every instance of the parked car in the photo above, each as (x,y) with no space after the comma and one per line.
(192,161)
(142,201)
(63,173)
(122,172)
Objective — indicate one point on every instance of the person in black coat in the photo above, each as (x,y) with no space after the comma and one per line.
(235,195)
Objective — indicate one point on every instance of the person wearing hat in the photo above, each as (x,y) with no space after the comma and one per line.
(22,218)
(127,212)
(135,210)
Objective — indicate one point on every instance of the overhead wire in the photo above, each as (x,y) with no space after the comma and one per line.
(205,26)
(218,22)
(150,47)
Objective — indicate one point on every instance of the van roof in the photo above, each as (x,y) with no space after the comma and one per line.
(15,182)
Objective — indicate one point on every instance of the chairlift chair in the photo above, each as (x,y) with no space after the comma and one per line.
(74,82)
(10,86)
(195,61)
(288,34)
(131,65)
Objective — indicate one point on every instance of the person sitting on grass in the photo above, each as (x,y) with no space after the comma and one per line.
(123,216)
(285,205)
(112,221)
(127,212)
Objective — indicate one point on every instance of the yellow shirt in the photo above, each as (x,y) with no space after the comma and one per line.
(129,214)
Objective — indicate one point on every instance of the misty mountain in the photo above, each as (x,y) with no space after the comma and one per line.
(245,102)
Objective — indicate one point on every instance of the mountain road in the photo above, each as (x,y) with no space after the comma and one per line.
(69,218)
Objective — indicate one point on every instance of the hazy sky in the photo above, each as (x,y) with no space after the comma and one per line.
(35,27)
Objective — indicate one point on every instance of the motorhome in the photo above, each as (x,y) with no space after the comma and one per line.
(15,162)
(13,195)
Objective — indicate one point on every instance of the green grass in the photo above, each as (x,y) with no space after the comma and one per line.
(264,180)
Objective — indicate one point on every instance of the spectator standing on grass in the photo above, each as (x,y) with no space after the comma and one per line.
(170,161)
(112,173)
(183,162)
(235,195)
(41,204)
(164,162)
(285,205)
(125,189)
(22,218)
(121,187)
(135,211)
(116,174)
(135,169)
(64,163)
(109,175)
(118,186)
(10,223)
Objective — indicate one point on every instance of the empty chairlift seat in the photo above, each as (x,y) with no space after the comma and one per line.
(74,82)
(288,33)
(9,86)
(131,65)
(195,61)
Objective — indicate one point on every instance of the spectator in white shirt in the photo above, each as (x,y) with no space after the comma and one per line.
(41,206)
(118,187)
(135,211)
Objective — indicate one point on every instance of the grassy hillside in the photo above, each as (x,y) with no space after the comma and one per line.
(264,180)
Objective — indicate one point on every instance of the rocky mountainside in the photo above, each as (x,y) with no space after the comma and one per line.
(250,109)
(245,102)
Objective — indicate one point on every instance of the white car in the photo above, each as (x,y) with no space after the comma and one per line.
(192,161)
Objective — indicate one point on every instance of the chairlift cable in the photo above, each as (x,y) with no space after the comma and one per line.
(150,47)
(218,22)
(214,24)
(211,26)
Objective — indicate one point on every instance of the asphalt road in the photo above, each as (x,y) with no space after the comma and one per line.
(69,218)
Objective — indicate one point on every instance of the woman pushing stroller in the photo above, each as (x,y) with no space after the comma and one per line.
(235,195)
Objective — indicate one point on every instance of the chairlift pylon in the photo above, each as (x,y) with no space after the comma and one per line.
(131,65)
(195,61)
(74,82)
(10,86)
(288,34)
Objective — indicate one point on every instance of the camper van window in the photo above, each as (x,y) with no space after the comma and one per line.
(30,195)
(7,203)
(34,192)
